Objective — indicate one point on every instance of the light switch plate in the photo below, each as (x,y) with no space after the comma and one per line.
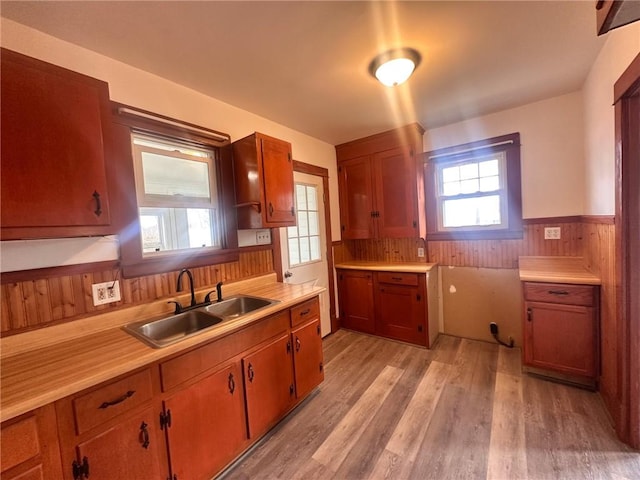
(263,237)
(420,252)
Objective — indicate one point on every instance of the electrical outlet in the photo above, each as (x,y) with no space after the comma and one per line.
(263,237)
(106,292)
(552,233)
(420,252)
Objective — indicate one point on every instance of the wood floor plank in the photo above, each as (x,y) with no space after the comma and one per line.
(507,448)
(342,439)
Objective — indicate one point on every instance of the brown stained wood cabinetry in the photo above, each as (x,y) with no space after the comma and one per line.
(55,143)
(389,304)
(561,330)
(612,14)
(306,340)
(185,417)
(208,424)
(29,447)
(268,378)
(355,293)
(263,172)
(381,184)
(111,431)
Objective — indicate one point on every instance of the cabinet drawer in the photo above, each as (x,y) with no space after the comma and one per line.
(111,400)
(398,278)
(305,311)
(567,294)
(19,442)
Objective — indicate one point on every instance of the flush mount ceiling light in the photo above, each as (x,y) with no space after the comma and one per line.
(394,67)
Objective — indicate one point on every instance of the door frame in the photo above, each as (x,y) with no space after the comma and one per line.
(627,147)
(309,169)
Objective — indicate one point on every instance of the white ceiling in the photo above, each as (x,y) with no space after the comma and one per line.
(304,64)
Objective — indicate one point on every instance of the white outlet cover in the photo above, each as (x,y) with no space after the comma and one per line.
(106,292)
(552,233)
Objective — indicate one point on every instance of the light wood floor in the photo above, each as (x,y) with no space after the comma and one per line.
(460,411)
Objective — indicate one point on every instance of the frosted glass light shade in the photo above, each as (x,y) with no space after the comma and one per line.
(394,67)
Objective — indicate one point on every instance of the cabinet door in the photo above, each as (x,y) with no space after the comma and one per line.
(356,198)
(268,378)
(307,357)
(208,426)
(396,205)
(126,450)
(277,170)
(53,160)
(356,300)
(560,337)
(400,313)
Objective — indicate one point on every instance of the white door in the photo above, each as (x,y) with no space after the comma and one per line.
(304,247)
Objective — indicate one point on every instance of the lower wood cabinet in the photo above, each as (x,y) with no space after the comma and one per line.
(29,447)
(184,418)
(208,424)
(560,324)
(389,304)
(270,391)
(355,293)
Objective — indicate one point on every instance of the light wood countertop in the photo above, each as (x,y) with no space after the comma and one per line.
(408,267)
(46,365)
(556,270)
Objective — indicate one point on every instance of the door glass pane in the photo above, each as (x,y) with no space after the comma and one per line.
(304,239)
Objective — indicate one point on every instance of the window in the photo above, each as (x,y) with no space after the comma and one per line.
(474,191)
(177,195)
(174,193)
(304,238)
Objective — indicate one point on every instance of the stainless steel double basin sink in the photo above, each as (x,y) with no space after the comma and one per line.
(166,331)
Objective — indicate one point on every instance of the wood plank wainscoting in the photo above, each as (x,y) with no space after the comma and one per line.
(39,298)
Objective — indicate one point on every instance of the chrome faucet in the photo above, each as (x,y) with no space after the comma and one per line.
(179,285)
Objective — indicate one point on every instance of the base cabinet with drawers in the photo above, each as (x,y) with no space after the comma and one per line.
(560,325)
(186,417)
(396,305)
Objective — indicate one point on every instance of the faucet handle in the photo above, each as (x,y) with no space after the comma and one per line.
(207,298)
(178,307)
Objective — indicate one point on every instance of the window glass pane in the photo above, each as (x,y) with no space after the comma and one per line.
(451,188)
(312,198)
(489,168)
(199,227)
(313,223)
(469,186)
(292,232)
(451,174)
(294,252)
(166,175)
(151,230)
(305,254)
(303,223)
(301,197)
(471,211)
(315,247)
(489,184)
(469,170)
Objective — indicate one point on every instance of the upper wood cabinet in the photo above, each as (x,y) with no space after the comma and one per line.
(381,185)
(263,172)
(612,14)
(55,142)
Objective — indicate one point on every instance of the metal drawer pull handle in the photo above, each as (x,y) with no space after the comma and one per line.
(144,434)
(396,278)
(232,384)
(298,344)
(305,312)
(117,400)
(250,373)
(558,292)
(98,210)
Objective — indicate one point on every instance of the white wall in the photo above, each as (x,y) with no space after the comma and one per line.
(621,47)
(552,152)
(141,89)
